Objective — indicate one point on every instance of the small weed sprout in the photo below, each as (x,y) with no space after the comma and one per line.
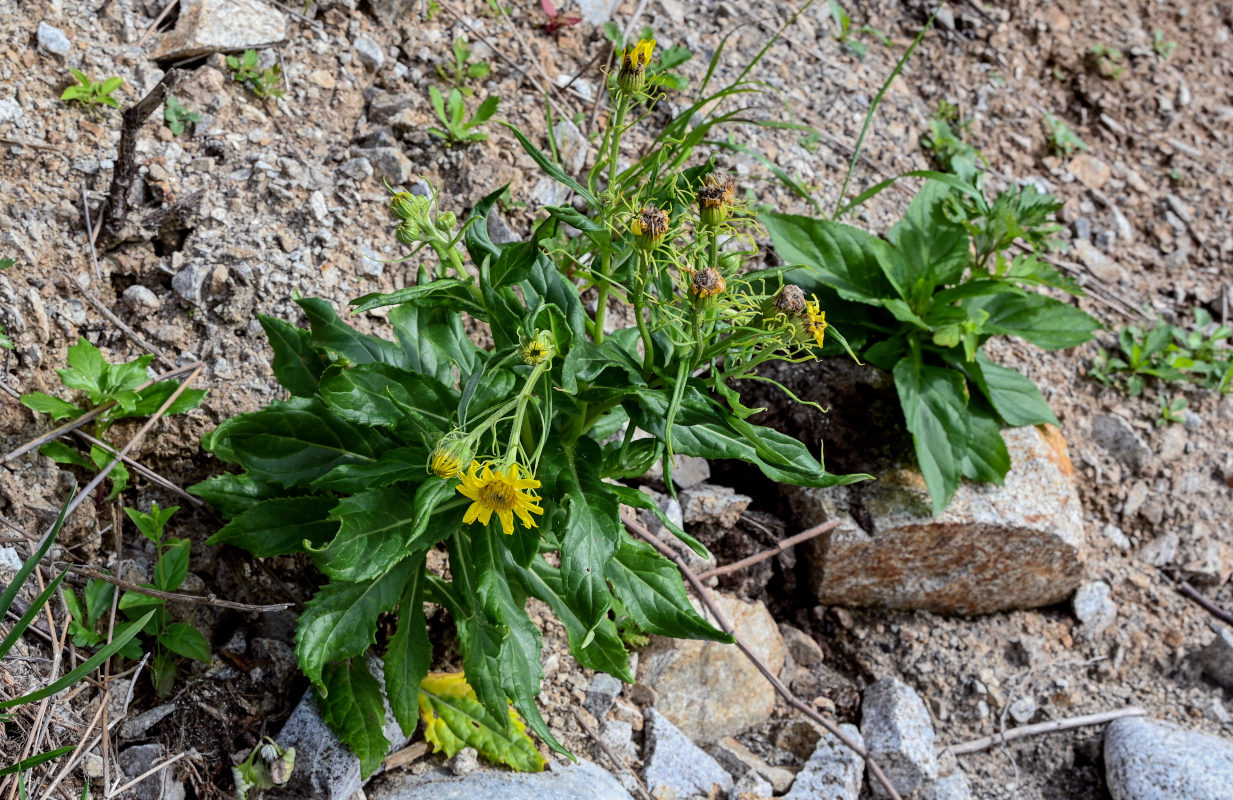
(1171,411)
(1200,356)
(175,115)
(1161,46)
(457,73)
(1060,139)
(264,83)
(456,128)
(91,95)
(845,34)
(1109,61)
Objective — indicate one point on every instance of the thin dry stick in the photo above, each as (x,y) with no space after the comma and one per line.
(784,692)
(140,469)
(617,762)
(20,143)
(85,209)
(79,749)
(114,320)
(1043,727)
(156,768)
(1186,590)
(791,541)
(157,20)
(91,414)
(196,599)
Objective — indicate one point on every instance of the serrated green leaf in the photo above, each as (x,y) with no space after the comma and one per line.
(86,367)
(297,366)
(355,711)
(986,457)
(931,249)
(650,588)
(232,494)
(409,654)
(331,334)
(46,404)
(341,620)
(434,341)
(934,402)
(382,395)
(402,464)
(840,256)
(279,526)
(185,640)
(592,530)
(410,294)
(454,719)
(1041,320)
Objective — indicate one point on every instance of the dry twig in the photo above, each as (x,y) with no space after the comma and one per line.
(142,470)
(196,599)
(638,528)
(1043,727)
(791,541)
(1188,591)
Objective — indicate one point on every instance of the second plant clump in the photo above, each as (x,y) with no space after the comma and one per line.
(427,472)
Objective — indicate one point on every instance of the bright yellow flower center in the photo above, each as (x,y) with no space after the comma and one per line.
(502,493)
(817,321)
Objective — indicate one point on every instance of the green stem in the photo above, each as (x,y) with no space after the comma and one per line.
(712,256)
(524,396)
(639,298)
(605,268)
(601,302)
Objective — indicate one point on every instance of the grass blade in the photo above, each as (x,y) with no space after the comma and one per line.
(19,579)
(30,614)
(34,761)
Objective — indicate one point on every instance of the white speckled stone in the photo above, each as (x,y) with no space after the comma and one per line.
(898,735)
(1146,759)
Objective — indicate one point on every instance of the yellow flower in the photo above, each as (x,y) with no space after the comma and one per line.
(632,76)
(649,226)
(815,321)
(502,493)
(447,458)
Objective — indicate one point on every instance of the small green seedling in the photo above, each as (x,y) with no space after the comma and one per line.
(1110,61)
(1060,139)
(1171,354)
(450,112)
(460,71)
(1161,46)
(91,94)
(175,115)
(845,34)
(1174,411)
(263,83)
(945,143)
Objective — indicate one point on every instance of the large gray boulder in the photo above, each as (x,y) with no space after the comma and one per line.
(1146,759)
(675,766)
(221,26)
(561,782)
(1019,545)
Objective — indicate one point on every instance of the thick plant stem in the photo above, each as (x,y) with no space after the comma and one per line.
(601,303)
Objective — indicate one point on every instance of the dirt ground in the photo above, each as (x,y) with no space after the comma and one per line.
(284,207)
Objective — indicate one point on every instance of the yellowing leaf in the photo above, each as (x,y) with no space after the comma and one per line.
(454,718)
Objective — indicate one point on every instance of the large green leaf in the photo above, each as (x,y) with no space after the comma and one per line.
(341,620)
(337,338)
(592,530)
(379,527)
(410,294)
(840,256)
(351,704)
(454,718)
(649,586)
(409,654)
(402,464)
(434,341)
(46,404)
(1041,320)
(280,526)
(297,365)
(931,249)
(378,394)
(935,408)
(986,457)
(185,640)
(1013,396)
(292,442)
(232,494)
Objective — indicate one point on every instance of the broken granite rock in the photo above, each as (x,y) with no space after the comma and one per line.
(1093,608)
(601,694)
(1019,545)
(52,40)
(1147,759)
(675,766)
(1216,659)
(710,690)
(221,26)
(738,759)
(1117,437)
(898,734)
(833,771)
(160,786)
(706,503)
(562,782)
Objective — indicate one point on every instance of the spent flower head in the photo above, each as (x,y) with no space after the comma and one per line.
(707,283)
(649,227)
(790,300)
(715,199)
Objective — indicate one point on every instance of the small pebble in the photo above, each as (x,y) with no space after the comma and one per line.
(53,40)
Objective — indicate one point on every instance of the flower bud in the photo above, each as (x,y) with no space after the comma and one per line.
(407,232)
(449,456)
(649,226)
(715,200)
(631,78)
(538,350)
(446,221)
(404,205)
(707,283)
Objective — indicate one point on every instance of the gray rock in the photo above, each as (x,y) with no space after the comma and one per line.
(898,735)
(138,725)
(801,646)
(1120,440)
(385,107)
(1082,228)
(1146,759)
(715,505)
(357,169)
(1093,608)
(833,771)
(601,694)
(324,767)
(1160,551)
(675,766)
(160,786)
(1114,534)
(710,690)
(1100,265)
(596,12)
(1023,709)
(751,786)
(370,53)
(498,229)
(1205,558)
(687,471)
(571,147)
(737,759)
(221,26)
(140,298)
(1216,659)
(9,560)
(388,162)
(465,761)
(52,40)
(190,282)
(1019,545)
(562,782)
(618,735)
(10,111)
(951,787)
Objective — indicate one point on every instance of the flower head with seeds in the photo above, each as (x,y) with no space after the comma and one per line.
(715,199)
(649,226)
(504,493)
(707,283)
